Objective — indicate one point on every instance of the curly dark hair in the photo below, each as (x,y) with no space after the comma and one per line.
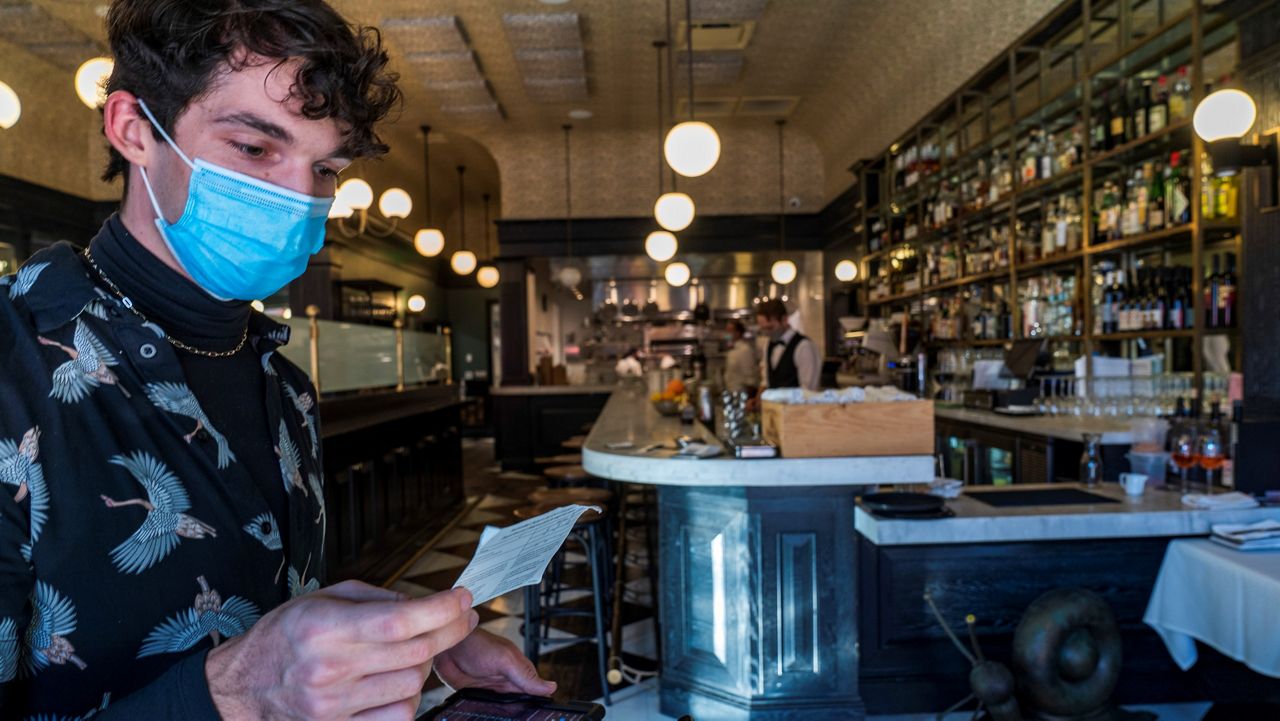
(169,52)
(772,309)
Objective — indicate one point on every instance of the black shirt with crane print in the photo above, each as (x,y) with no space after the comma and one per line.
(132,540)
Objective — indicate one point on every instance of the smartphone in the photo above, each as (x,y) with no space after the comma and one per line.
(471,704)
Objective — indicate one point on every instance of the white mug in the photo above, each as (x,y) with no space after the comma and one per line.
(1134,483)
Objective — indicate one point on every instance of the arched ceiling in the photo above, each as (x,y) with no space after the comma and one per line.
(858,72)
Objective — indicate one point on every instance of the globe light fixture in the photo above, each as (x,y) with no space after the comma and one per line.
(429,242)
(783,272)
(846,271)
(488,277)
(355,194)
(417,303)
(10,107)
(692,148)
(340,209)
(677,274)
(674,211)
(660,246)
(463,262)
(258,306)
(1225,114)
(395,203)
(90,81)
(570,276)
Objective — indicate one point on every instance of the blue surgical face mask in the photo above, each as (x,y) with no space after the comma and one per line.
(239,237)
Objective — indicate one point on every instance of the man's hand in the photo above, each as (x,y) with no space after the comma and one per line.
(347,651)
(492,662)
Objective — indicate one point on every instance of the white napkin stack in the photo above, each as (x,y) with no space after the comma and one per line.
(1219,502)
(1258,536)
(870,394)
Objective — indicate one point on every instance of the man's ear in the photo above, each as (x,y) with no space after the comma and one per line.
(126,128)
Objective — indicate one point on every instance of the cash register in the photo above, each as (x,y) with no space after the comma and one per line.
(1010,388)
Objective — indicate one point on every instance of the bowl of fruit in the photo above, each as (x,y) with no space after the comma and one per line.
(670,401)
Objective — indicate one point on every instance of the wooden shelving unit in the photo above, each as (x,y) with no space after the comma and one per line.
(1053,78)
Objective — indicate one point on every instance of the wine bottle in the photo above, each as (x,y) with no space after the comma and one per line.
(1138,109)
(1118,115)
(1227,294)
(1158,111)
(1212,283)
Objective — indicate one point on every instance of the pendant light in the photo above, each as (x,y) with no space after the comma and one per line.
(692,148)
(463,261)
(429,241)
(569,276)
(488,275)
(846,271)
(677,274)
(674,211)
(783,271)
(661,245)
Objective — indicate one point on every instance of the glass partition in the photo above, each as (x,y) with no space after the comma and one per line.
(354,356)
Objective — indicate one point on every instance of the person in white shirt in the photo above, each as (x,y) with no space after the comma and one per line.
(741,363)
(792,359)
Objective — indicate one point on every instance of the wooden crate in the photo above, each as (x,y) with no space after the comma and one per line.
(904,428)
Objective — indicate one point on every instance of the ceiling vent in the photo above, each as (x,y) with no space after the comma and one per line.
(706,108)
(774,107)
(543,31)
(445,67)
(567,63)
(440,34)
(462,92)
(716,35)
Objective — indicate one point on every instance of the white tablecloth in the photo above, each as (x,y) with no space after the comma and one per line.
(1225,598)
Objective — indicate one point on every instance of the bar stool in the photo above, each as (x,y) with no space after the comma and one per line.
(561,459)
(589,533)
(602,497)
(566,496)
(574,443)
(564,476)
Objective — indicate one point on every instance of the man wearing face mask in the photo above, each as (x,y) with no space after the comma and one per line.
(161,490)
(792,359)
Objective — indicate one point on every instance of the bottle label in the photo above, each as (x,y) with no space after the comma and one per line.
(1157,119)
(1117,126)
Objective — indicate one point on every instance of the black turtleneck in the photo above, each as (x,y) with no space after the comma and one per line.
(231,390)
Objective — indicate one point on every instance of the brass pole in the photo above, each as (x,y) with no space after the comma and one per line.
(313,313)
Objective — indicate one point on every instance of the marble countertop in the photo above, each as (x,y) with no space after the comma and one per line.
(1068,428)
(549,390)
(629,417)
(1156,513)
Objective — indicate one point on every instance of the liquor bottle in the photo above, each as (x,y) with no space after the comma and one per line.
(1177,206)
(1154,310)
(1227,294)
(1047,232)
(1130,222)
(1155,199)
(1161,308)
(1179,304)
(1100,128)
(1180,99)
(1031,159)
(1158,111)
(1144,197)
(1119,116)
(1225,196)
(1103,322)
(1208,187)
(1060,226)
(1138,109)
(1047,152)
(1212,283)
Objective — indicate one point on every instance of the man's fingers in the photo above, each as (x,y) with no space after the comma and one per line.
(522,674)
(358,592)
(388,622)
(398,711)
(384,689)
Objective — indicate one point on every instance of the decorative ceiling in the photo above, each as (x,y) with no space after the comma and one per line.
(497,78)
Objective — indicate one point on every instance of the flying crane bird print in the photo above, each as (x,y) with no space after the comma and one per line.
(89,367)
(18,467)
(106,700)
(166,522)
(305,405)
(25,279)
(178,399)
(53,619)
(208,616)
(290,461)
(264,528)
(8,650)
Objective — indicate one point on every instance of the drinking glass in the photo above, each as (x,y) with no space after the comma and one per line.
(1182,443)
(1209,453)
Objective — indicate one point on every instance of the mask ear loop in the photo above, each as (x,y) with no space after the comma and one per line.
(146,182)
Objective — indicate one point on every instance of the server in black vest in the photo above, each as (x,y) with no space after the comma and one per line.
(792,360)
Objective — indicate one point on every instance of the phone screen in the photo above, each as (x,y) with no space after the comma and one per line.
(475,710)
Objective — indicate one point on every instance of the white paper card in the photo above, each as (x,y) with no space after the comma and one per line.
(518,555)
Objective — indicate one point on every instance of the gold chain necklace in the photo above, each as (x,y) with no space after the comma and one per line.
(244,335)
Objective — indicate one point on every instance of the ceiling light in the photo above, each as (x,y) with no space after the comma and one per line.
(783,272)
(340,209)
(258,306)
(660,245)
(846,271)
(429,242)
(417,304)
(677,274)
(488,276)
(580,114)
(395,203)
(90,81)
(1224,114)
(355,193)
(10,107)
(692,148)
(570,276)
(463,262)
(674,211)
